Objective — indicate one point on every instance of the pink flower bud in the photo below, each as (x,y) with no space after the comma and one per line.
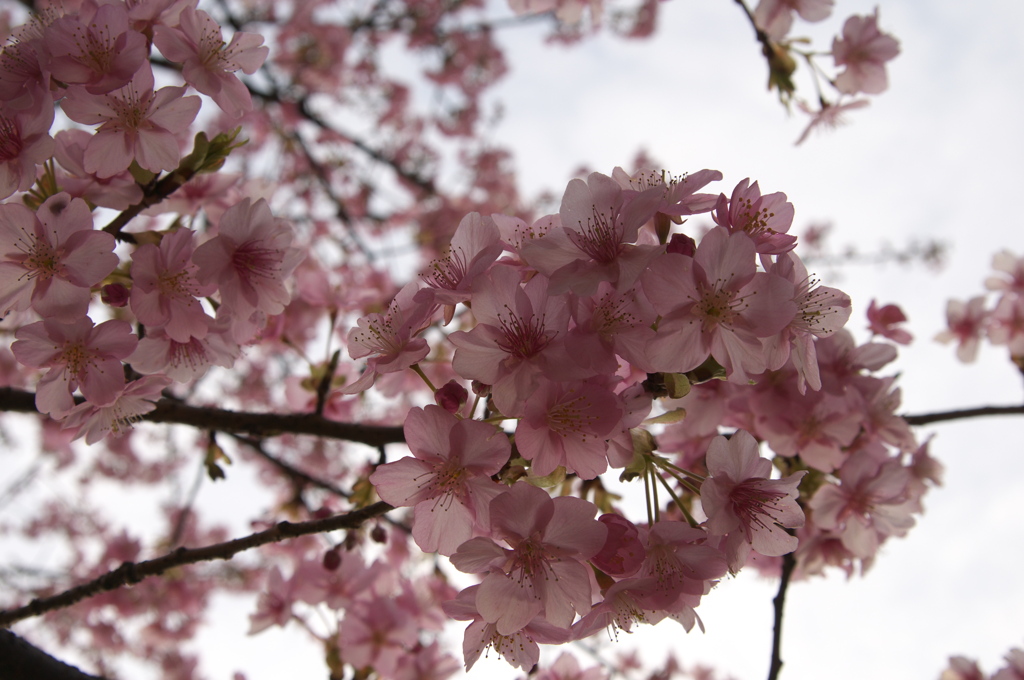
(114,294)
(682,244)
(451,396)
(332,559)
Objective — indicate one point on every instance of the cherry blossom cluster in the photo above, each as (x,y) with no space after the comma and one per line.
(571,327)
(94,64)
(999,320)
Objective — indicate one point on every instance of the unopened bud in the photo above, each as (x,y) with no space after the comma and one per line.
(379,534)
(332,559)
(682,244)
(114,294)
(451,396)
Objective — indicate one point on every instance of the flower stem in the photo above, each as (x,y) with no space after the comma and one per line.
(420,373)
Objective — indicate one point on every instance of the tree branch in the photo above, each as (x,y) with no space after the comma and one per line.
(258,424)
(130,573)
(788,564)
(23,661)
(941,416)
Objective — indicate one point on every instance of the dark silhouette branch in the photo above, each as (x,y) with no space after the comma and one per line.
(788,564)
(943,416)
(23,661)
(258,424)
(130,573)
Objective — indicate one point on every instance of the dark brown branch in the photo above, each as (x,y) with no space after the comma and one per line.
(153,195)
(788,564)
(130,573)
(23,661)
(942,416)
(258,424)
(293,472)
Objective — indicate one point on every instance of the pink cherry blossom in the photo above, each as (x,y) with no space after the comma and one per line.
(543,570)
(391,339)
(566,667)
(208,64)
(274,606)
(623,553)
(25,141)
(97,49)
(135,122)
(679,192)
(863,49)
(519,648)
(716,304)
(682,566)
(967,322)
(375,633)
(185,361)
(1012,269)
(868,505)
(475,245)
(821,311)
(775,17)
(164,287)
(882,321)
(518,340)
(52,257)
(741,502)
(249,260)
(118,191)
(1014,669)
(96,422)
(447,479)
(568,424)
(765,219)
(612,324)
(600,224)
(829,116)
(78,355)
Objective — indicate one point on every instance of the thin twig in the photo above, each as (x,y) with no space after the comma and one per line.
(130,573)
(788,564)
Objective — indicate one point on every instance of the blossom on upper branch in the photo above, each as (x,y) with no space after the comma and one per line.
(775,17)
(863,49)
(135,122)
(716,304)
(600,223)
(208,64)
(96,49)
